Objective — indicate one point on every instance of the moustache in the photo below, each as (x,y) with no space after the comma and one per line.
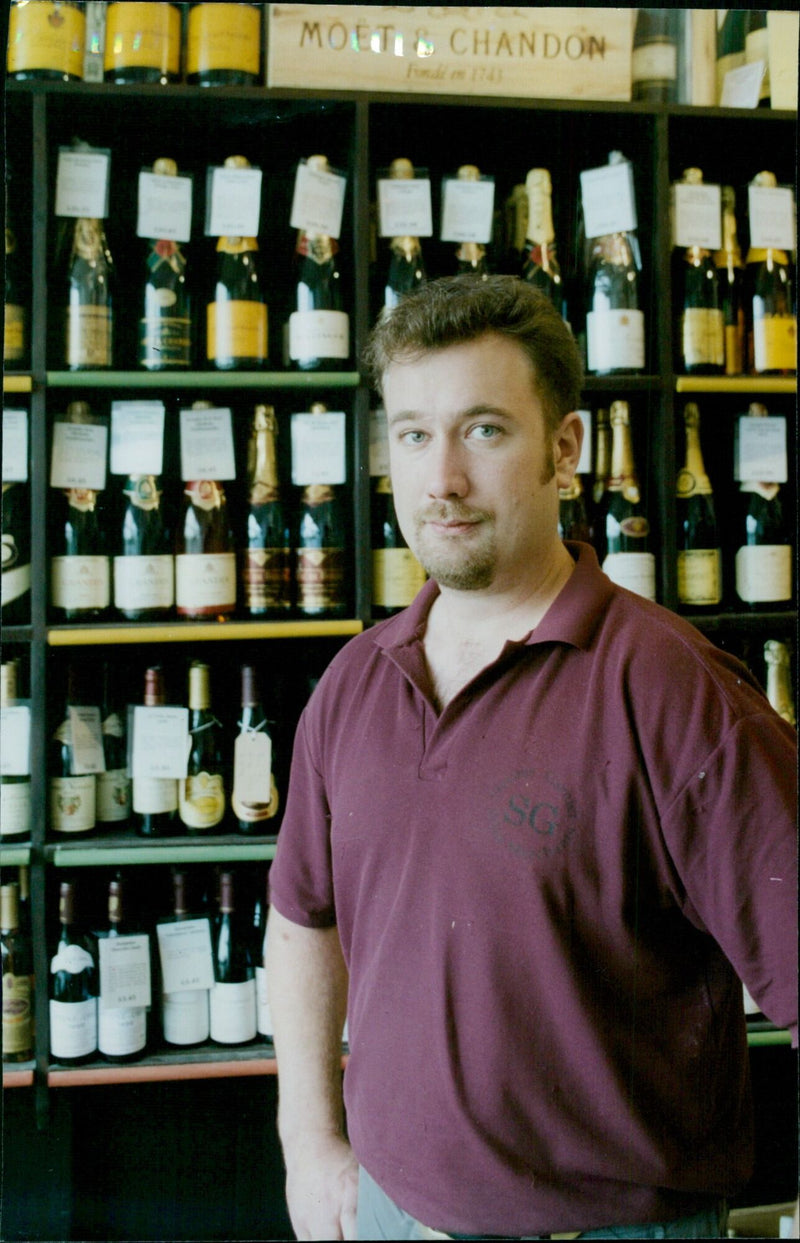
(450,513)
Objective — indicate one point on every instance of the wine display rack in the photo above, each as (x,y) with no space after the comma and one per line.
(361,133)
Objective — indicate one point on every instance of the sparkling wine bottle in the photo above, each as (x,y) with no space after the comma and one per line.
(698,543)
(165,329)
(201,794)
(233,996)
(255,798)
(320,543)
(205,560)
(15,584)
(773,313)
(236,318)
(80,568)
(614,322)
(629,560)
(223,44)
(46,41)
(144,565)
(396,574)
(541,268)
(74,987)
(266,556)
(15,788)
(89,312)
(143,43)
(471,256)
(17,966)
(114,785)
(654,63)
(779,688)
(730,272)
(319,328)
(184,1012)
(121,1029)
(764,553)
(406,266)
(702,325)
(73,796)
(155,799)
(573,519)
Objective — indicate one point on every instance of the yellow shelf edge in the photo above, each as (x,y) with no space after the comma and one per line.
(192,632)
(736,384)
(17,384)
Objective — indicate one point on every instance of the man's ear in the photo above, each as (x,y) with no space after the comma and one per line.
(567,444)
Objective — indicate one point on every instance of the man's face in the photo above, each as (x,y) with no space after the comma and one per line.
(474,472)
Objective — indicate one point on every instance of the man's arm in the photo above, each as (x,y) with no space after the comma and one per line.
(308,1002)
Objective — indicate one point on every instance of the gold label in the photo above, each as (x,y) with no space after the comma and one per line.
(397,576)
(266,578)
(46,36)
(16,1013)
(734,346)
(320,577)
(236,329)
(700,576)
(13,333)
(72,804)
(223,36)
(201,800)
(703,337)
(764,573)
(775,343)
(89,336)
(143,36)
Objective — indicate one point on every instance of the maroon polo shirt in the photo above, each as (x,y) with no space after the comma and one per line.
(543,894)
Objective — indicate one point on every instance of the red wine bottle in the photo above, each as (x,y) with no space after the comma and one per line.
(73,987)
(114,784)
(155,799)
(255,798)
(184,1013)
(121,1029)
(233,996)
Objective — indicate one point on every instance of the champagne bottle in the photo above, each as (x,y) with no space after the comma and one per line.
(236,319)
(89,323)
(628,560)
(266,556)
(698,543)
(155,799)
(573,519)
(165,330)
(773,312)
(184,1013)
(320,548)
(541,268)
(730,272)
(702,324)
(319,329)
(114,785)
(73,987)
(779,682)
(17,964)
(614,322)
(756,47)
(15,789)
(80,569)
(406,266)
(223,44)
(205,560)
(471,256)
(15,584)
(143,43)
(730,45)
(15,342)
(201,793)
(233,996)
(602,470)
(255,798)
(764,551)
(73,796)
(46,41)
(654,63)
(121,1029)
(144,565)
(396,574)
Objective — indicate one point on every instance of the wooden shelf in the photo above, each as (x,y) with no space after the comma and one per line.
(19,1075)
(194,632)
(129,849)
(736,384)
(205,1062)
(204,379)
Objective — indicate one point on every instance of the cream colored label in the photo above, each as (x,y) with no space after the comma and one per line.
(121,1030)
(73,1028)
(700,576)
(80,582)
(72,804)
(113,796)
(775,343)
(263,1014)
(14,583)
(236,329)
(184,1016)
(319,334)
(654,62)
(764,573)
(46,36)
(89,336)
(233,1012)
(634,570)
(223,36)
(703,337)
(205,581)
(153,795)
(144,582)
(17,1035)
(201,800)
(615,340)
(397,576)
(143,36)
(15,807)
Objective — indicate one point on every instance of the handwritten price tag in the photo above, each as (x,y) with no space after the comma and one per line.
(160,738)
(185,951)
(124,971)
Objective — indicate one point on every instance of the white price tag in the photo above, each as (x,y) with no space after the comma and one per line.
(207,444)
(159,747)
(378,443)
(404,207)
(234,202)
(137,437)
(318,201)
(185,951)
(609,199)
(585,461)
(15,728)
(697,219)
(79,456)
(15,446)
(318,448)
(772,217)
(741,87)
(124,971)
(761,450)
(165,207)
(82,183)
(467,210)
(87,740)
(252,768)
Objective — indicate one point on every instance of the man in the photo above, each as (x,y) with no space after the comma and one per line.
(537,831)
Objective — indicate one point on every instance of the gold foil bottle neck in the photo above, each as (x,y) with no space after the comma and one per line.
(165,167)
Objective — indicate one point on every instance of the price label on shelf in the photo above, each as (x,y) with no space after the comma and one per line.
(15,446)
(772,217)
(87,740)
(165,207)
(124,971)
(760,450)
(467,210)
(137,437)
(609,199)
(207,444)
(318,448)
(318,201)
(160,746)
(15,728)
(82,183)
(184,948)
(233,196)
(697,219)
(79,456)
(404,207)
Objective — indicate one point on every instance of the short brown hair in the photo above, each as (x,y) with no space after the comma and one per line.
(454,309)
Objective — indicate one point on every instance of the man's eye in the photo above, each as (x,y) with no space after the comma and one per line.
(485,431)
(412,437)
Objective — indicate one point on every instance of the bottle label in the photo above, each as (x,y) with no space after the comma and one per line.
(184,1016)
(13,333)
(165,341)
(266,578)
(236,329)
(775,343)
(320,578)
(223,36)
(233,1012)
(17,1033)
(72,804)
(263,1015)
(143,36)
(634,570)
(46,36)
(143,582)
(153,795)
(113,796)
(121,1030)
(615,340)
(654,62)
(71,958)
(700,576)
(397,576)
(205,582)
(80,582)
(319,334)
(703,336)
(15,807)
(73,1028)
(15,581)
(201,800)
(89,336)
(734,346)
(764,573)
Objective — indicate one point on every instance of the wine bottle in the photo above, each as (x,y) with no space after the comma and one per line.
(155,799)
(406,266)
(263,1012)
(628,560)
(702,325)
(319,329)
(773,312)
(184,1013)
(143,43)
(201,793)
(15,343)
(73,796)
(779,681)
(89,323)
(654,62)
(236,319)
(15,789)
(121,1029)
(15,584)
(17,964)
(73,987)
(698,543)
(756,47)
(266,556)
(602,470)
(471,256)
(205,556)
(396,574)
(320,543)
(614,322)
(730,45)
(255,798)
(233,996)
(80,568)
(730,272)
(24,874)
(114,784)
(541,268)
(573,519)
(223,45)
(165,330)
(764,551)
(144,564)
(46,41)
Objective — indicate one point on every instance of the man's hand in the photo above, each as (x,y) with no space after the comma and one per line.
(322,1187)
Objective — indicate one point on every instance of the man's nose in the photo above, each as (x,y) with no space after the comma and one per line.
(447,474)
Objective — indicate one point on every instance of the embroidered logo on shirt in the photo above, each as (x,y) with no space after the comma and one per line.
(533,815)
